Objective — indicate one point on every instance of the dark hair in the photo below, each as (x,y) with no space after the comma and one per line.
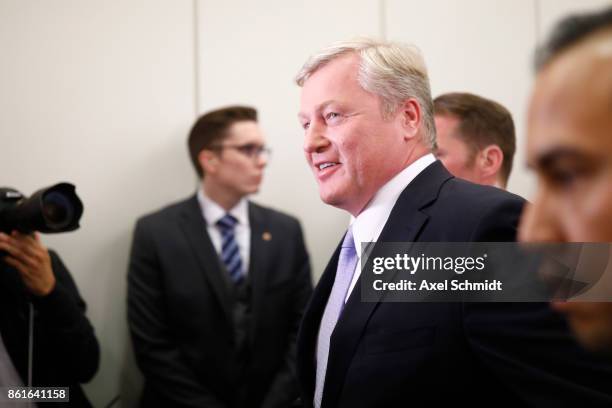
(211,128)
(482,122)
(569,31)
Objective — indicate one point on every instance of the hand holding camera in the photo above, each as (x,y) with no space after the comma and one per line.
(52,209)
(31,258)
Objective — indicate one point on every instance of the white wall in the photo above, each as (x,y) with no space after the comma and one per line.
(103,93)
(99,94)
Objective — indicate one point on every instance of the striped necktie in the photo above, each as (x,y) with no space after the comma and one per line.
(230,253)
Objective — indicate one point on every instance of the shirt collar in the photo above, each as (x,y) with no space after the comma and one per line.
(368,225)
(213,212)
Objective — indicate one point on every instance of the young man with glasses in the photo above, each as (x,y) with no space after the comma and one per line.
(216,283)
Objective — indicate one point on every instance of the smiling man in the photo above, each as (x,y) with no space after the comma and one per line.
(217,283)
(368,123)
(570,148)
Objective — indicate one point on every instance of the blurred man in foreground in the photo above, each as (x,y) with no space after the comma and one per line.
(475,138)
(570,148)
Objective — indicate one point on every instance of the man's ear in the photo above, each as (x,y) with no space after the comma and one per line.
(410,116)
(490,161)
(209,161)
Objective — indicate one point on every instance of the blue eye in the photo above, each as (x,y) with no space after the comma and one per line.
(333,117)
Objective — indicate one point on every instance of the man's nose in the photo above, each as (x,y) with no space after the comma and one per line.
(315,140)
(540,221)
(262,158)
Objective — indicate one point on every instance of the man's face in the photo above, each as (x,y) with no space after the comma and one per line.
(452,151)
(351,148)
(570,148)
(235,172)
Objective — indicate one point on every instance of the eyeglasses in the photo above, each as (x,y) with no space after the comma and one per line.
(251,150)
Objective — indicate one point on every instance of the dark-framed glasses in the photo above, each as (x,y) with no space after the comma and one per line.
(251,150)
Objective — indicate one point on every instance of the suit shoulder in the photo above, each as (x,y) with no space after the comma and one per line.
(481,213)
(165,213)
(275,216)
(479,197)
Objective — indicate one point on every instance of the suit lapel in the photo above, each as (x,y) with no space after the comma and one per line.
(404,224)
(193,224)
(261,251)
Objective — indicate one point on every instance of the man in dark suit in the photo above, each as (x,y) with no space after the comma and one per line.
(367,115)
(216,283)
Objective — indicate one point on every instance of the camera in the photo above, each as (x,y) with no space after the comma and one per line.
(51,209)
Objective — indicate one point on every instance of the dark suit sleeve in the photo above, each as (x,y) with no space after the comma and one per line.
(499,223)
(157,355)
(284,387)
(64,338)
(527,346)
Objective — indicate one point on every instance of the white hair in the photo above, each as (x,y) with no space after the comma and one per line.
(391,70)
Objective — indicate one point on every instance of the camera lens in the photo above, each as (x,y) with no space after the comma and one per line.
(57,210)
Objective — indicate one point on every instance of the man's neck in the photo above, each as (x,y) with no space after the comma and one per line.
(417,152)
(222,197)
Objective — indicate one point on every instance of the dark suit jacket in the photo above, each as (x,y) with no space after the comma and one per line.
(181,310)
(448,354)
(66,350)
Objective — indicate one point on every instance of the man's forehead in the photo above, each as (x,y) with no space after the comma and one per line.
(575,85)
(447,121)
(244,130)
(586,66)
(332,74)
(334,82)
(570,115)
(344,62)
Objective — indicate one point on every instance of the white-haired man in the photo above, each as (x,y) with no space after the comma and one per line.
(367,115)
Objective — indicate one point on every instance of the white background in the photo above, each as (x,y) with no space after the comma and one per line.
(103,93)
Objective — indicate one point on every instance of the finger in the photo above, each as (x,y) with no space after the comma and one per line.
(32,254)
(27,239)
(17,264)
(37,244)
(17,253)
(25,243)
(30,238)
(16,248)
(10,249)
(27,278)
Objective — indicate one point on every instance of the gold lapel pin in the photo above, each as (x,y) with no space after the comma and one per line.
(266,236)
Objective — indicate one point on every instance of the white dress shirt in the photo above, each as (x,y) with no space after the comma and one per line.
(213,212)
(368,225)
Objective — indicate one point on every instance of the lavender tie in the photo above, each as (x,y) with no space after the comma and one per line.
(347,262)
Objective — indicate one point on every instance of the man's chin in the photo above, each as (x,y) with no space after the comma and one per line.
(591,323)
(597,339)
(335,200)
(251,190)
(329,199)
